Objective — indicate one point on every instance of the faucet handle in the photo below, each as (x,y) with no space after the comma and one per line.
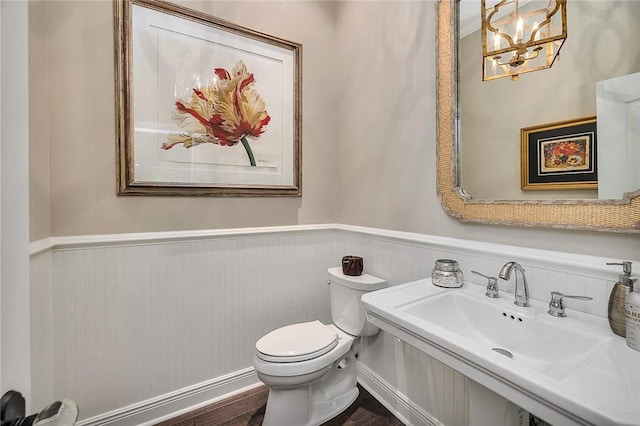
(556,305)
(492,285)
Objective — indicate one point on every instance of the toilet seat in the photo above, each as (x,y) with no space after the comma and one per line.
(297,342)
(292,369)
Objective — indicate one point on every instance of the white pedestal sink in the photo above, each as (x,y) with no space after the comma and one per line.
(568,371)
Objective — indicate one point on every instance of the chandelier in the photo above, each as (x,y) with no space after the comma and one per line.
(520,36)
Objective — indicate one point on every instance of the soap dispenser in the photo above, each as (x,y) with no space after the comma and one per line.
(632,307)
(624,286)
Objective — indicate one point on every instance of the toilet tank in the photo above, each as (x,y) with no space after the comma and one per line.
(347,312)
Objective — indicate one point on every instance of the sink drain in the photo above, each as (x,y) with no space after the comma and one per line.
(503,352)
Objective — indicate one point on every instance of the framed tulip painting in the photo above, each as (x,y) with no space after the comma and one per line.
(559,155)
(204,106)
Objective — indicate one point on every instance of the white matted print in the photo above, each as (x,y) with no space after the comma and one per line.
(213,108)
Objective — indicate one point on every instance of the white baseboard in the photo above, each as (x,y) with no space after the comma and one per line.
(397,403)
(173,404)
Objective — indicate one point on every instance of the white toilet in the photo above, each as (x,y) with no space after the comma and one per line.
(310,367)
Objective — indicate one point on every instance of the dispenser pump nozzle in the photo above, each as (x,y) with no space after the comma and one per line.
(625,278)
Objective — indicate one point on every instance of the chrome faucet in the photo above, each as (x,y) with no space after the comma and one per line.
(522,289)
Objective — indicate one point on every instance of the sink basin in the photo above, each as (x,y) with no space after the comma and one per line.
(569,371)
(547,346)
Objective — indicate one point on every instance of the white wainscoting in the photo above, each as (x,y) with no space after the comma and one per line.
(439,394)
(417,388)
(401,257)
(41,302)
(136,326)
(138,319)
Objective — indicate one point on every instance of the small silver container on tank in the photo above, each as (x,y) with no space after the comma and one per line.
(447,273)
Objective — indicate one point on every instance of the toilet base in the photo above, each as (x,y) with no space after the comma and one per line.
(315,403)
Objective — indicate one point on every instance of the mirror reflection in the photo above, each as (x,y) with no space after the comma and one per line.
(596,74)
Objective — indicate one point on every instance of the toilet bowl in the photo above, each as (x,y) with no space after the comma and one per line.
(310,367)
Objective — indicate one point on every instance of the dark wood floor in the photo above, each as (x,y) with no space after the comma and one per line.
(247,409)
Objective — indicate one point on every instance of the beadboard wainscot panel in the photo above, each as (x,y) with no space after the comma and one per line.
(136,327)
(417,387)
(144,317)
(41,303)
(401,257)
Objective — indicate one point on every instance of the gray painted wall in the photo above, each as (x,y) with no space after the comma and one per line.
(72,84)
(368,129)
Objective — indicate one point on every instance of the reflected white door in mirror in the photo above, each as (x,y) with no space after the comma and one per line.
(618,103)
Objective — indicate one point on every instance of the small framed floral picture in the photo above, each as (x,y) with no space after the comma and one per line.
(204,107)
(560,155)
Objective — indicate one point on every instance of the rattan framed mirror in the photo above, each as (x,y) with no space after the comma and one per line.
(603,215)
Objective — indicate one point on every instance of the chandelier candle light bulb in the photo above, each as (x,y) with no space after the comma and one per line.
(519,30)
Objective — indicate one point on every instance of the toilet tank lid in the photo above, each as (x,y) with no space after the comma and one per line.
(363,282)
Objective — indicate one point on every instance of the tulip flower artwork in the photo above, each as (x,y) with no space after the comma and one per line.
(225,112)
